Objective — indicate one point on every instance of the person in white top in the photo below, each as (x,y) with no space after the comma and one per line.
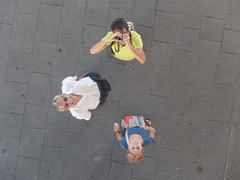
(81,95)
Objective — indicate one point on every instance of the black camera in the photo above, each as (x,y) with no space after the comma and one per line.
(119,38)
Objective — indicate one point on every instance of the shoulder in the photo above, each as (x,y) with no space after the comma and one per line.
(108,35)
(134,34)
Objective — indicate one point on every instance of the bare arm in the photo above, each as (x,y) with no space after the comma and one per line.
(138,53)
(151,132)
(150,129)
(119,136)
(117,131)
(101,45)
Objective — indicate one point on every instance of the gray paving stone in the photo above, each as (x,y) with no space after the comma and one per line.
(222,103)
(68,49)
(7,12)
(146,35)
(145,19)
(53,2)
(109,117)
(169,6)
(96,2)
(153,108)
(218,132)
(176,122)
(236,150)
(75,151)
(233,16)
(119,154)
(234,172)
(5,35)
(97,13)
(203,78)
(9,152)
(44,56)
(161,53)
(92,35)
(10,124)
(214,162)
(24,29)
(47,178)
(48,24)
(198,115)
(145,5)
(98,166)
(157,81)
(56,131)
(116,13)
(40,116)
(178,96)
(133,96)
(182,65)
(165,27)
(194,145)
(227,69)
(190,16)
(30,7)
(212,29)
(120,171)
(135,70)
(19,66)
(231,42)
(39,89)
(153,149)
(27,169)
(73,16)
(114,74)
(51,162)
(187,39)
(193,2)
(76,125)
(125,4)
(72,171)
(14,104)
(216,8)
(31,143)
(208,52)
(166,175)
(145,169)
(6,177)
(190,170)
(88,62)
(3,67)
(168,160)
(211,177)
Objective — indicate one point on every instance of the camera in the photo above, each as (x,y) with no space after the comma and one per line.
(119,38)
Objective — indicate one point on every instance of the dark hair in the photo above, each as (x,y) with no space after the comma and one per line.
(119,23)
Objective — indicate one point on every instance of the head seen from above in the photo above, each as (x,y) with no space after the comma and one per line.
(64,102)
(135,151)
(121,26)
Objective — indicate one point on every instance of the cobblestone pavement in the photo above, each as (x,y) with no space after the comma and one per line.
(189,87)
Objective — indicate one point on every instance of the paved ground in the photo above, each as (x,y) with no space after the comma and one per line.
(189,87)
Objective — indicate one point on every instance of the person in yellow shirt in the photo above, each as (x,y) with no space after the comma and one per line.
(125,43)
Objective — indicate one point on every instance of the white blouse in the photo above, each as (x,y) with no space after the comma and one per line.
(89,91)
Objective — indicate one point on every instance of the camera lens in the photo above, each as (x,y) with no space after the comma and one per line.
(118,38)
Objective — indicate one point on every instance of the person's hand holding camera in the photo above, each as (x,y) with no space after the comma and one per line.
(126,39)
(114,37)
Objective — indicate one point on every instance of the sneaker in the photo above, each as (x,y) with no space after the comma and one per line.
(130,25)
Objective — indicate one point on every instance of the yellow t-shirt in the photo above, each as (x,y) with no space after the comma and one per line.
(124,52)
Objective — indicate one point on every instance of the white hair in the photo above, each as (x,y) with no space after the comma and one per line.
(55,104)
